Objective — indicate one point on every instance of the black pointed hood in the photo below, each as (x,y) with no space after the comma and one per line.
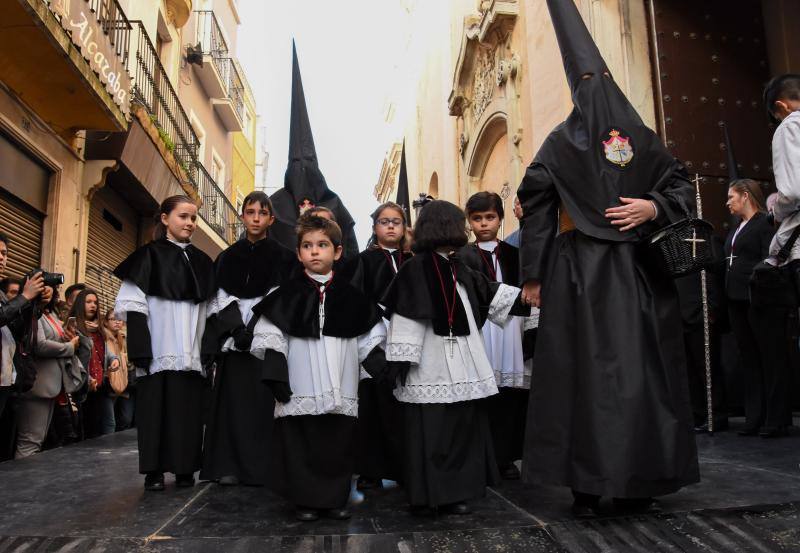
(603,150)
(303,179)
(303,183)
(733,167)
(402,186)
(578,49)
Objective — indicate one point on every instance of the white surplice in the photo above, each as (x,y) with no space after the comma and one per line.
(504,343)
(324,372)
(435,375)
(176,327)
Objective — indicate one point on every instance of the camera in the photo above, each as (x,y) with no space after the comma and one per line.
(50,279)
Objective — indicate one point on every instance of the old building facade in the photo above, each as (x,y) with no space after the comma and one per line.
(490,88)
(98,142)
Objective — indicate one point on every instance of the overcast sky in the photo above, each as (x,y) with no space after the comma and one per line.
(348,52)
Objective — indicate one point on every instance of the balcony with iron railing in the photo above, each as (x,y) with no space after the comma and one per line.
(209,54)
(154,91)
(230,107)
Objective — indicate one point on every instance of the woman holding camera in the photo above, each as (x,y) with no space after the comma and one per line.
(748,244)
(58,372)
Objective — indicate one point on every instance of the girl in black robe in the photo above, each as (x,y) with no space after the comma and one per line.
(166,285)
(379,427)
(437,306)
(239,431)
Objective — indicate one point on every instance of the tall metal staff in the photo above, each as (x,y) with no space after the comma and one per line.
(706,326)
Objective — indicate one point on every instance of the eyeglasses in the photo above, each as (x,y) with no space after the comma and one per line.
(385,222)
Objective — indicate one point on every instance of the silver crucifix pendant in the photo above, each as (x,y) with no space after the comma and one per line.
(450,341)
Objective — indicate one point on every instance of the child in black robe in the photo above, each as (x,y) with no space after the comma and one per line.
(331,328)
(239,431)
(380,417)
(166,286)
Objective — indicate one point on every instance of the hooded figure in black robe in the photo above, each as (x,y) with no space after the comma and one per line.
(304,185)
(239,431)
(609,410)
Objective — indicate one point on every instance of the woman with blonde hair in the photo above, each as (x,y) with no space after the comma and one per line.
(747,245)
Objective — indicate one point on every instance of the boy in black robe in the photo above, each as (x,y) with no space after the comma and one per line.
(331,329)
(237,440)
(499,261)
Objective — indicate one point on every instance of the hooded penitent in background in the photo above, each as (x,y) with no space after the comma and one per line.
(304,185)
(402,187)
(609,408)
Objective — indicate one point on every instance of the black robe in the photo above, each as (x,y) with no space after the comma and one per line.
(314,455)
(609,410)
(239,431)
(509,408)
(449,455)
(380,415)
(169,404)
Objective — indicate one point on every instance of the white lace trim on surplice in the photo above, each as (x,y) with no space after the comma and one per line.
(447,393)
(131,306)
(513,380)
(502,303)
(323,404)
(404,351)
(264,341)
(532,321)
(219,302)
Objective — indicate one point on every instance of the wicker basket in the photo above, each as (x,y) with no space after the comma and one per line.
(682,248)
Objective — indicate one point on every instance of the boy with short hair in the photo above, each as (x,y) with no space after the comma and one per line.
(331,328)
(238,436)
(499,261)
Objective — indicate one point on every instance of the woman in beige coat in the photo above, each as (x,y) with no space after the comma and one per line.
(57,370)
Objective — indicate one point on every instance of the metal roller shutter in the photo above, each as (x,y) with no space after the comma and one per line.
(113,236)
(23,226)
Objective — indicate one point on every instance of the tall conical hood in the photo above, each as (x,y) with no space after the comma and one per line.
(603,151)
(303,179)
(733,167)
(578,49)
(301,140)
(402,186)
(304,185)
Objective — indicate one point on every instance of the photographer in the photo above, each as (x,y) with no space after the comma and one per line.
(58,372)
(15,320)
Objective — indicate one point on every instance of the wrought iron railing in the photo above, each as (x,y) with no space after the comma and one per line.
(211,40)
(153,90)
(234,87)
(112,20)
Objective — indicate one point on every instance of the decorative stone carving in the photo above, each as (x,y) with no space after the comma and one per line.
(463,140)
(483,82)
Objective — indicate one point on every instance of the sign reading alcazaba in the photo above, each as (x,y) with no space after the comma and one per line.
(88,35)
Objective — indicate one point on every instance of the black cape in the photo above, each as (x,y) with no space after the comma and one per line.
(609,412)
(416,293)
(161,269)
(479,260)
(371,271)
(294,308)
(250,270)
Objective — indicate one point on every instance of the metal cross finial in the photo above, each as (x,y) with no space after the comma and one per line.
(694,240)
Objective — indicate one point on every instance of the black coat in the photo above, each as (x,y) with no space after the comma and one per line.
(751,247)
